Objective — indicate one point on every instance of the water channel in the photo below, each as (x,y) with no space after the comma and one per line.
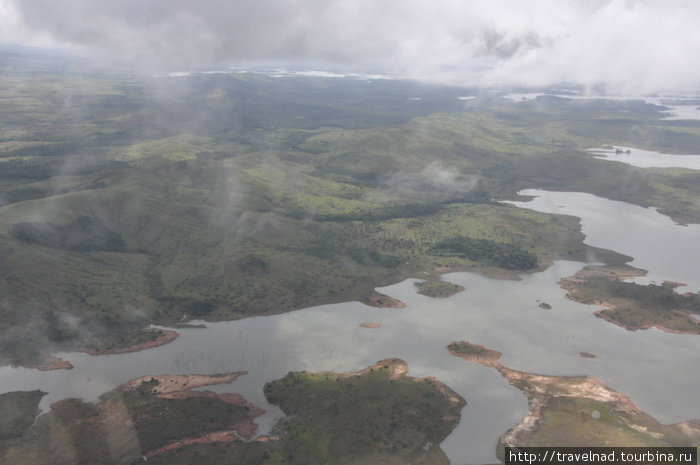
(659,371)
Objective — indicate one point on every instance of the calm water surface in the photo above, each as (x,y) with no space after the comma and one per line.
(647,158)
(667,250)
(660,372)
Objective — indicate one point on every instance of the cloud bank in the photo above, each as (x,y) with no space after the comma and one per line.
(627,45)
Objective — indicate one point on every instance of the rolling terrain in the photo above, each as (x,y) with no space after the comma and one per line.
(127,200)
(130,200)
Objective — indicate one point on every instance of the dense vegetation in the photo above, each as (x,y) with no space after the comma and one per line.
(17,413)
(118,429)
(641,306)
(438,288)
(371,417)
(367,418)
(82,234)
(508,256)
(126,200)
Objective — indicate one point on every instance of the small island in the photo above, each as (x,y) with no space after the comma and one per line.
(370,325)
(473,352)
(438,289)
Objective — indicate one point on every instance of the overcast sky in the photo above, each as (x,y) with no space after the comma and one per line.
(631,46)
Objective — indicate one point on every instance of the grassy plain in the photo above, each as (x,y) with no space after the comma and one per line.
(582,422)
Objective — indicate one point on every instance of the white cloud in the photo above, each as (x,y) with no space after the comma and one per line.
(631,45)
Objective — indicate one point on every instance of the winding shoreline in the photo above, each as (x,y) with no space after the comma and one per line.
(570,284)
(540,389)
(166,336)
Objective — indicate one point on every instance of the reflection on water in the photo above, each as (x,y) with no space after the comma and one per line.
(646,158)
(668,251)
(658,371)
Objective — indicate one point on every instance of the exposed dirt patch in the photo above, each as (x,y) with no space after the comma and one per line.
(53,363)
(383,301)
(541,389)
(171,384)
(370,325)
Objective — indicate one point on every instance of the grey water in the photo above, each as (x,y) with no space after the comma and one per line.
(659,371)
(667,250)
(646,158)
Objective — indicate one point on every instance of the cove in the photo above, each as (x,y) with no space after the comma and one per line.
(668,251)
(659,371)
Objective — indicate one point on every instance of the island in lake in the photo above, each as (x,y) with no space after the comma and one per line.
(196,267)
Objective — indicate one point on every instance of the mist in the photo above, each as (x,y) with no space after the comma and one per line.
(623,46)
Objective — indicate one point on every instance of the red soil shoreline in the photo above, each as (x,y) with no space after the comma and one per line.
(540,389)
(383,301)
(53,363)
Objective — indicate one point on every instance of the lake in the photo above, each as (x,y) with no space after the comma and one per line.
(646,158)
(659,371)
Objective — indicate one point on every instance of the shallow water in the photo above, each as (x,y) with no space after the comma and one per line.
(659,371)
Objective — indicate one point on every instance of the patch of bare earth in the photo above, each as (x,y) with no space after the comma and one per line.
(170,384)
(383,301)
(370,325)
(540,389)
(53,363)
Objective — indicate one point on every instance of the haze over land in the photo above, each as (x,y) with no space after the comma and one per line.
(621,46)
(271,196)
